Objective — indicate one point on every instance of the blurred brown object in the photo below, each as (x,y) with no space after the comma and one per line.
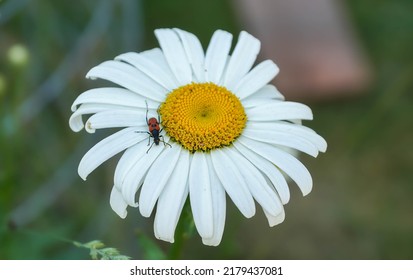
(313,44)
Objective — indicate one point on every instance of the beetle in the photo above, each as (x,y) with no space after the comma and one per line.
(154,130)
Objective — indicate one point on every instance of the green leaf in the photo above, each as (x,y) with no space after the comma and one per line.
(98,251)
(96,244)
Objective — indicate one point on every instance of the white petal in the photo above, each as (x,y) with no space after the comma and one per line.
(283,139)
(242,59)
(117,118)
(258,186)
(232,180)
(264,95)
(135,176)
(216,55)
(200,195)
(158,70)
(259,76)
(175,55)
(129,77)
(284,161)
(293,130)
(172,200)
(157,56)
(117,203)
(269,169)
(275,220)
(218,205)
(273,111)
(106,149)
(156,179)
(129,158)
(194,53)
(76,122)
(113,96)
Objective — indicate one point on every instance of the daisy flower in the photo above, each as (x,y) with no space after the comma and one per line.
(218,126)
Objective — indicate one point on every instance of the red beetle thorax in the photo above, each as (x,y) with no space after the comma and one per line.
(153,124)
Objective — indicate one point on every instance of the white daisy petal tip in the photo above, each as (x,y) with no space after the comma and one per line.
(165,238)
(276,69)
(90,74)
(117,203)
(76,123)
(182,144)
(89,128)
(211,242)
(307,190)
(274,220)
(322,145)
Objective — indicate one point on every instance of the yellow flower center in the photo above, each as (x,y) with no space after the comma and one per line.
(202,117)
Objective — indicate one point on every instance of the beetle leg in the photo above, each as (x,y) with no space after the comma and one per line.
(150,147)
(164,143)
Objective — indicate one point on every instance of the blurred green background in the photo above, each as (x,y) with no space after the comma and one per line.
(361,205)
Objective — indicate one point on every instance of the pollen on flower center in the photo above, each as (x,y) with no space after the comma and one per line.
(203,116)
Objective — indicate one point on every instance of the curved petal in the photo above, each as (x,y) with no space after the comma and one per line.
(129,158)
(216,55)
(200,195)
(259,76)
(258,186)
(135,176)
(156,179)
(172,200)
(129,77)
(117,203)
(76,122)
(269,169)
(293,130)
(242,59)
(232,180)
(218,206)
(106,149)
(275,220)
(116,118)
(194,53)
(283,139)
(284,161)
(175,55)
(274,111)
(113,96)
(157,69)
(267,93)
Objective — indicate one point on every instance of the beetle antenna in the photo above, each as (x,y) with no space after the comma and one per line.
(147,109)
(159,115)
